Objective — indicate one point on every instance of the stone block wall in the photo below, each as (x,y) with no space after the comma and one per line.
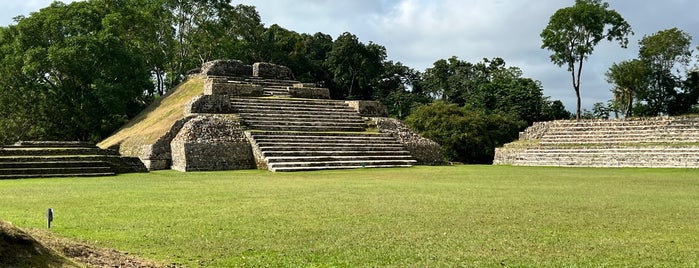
(425,151)
(369,108)
(272,71)
(309,92)
(222,86)
(226,68)
(212,142)
(157,156)
(209,104)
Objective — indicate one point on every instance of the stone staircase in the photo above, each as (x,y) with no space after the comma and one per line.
(312,134)
(647,142)
(292,151)
(284,114)
(57,159)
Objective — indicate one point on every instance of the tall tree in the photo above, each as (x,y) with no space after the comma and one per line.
(628,78)
(356,67)
(573,32)
(662,52)
(80,80)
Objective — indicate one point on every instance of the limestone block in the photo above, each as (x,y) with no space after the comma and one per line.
(423,150)
(212,142)
(272,71)
(209,104)
(309,92)
(226,68)
(369,108)
(219,86)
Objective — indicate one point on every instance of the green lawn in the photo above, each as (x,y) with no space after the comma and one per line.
(418,217)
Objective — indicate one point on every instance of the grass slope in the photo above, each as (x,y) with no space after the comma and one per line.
(153,122)
(483,216)
(18,249)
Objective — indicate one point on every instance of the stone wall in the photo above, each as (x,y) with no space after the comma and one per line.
(226,68)
(369,108)
(223,86)
(309,92)
(157,156)
(535,131)
(209,104)
(272,71)
(425,151)
(212,142)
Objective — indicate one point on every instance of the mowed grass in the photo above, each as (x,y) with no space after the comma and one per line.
(478,216)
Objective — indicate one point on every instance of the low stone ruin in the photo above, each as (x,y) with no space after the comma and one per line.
(634,142)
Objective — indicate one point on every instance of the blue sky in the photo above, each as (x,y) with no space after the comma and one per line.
(420,32)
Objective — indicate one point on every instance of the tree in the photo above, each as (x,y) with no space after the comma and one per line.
(466,134)
(628,77)
(661,52)
(488,85)
(573,32)
(356,67)
(398,89)
(76,78)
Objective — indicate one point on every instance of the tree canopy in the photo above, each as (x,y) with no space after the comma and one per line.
(573,32)
(654,84)
(79,71)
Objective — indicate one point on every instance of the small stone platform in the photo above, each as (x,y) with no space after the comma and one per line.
(668,142)
(34,159)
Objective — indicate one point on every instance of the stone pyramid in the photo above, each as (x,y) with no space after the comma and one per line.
(229,115)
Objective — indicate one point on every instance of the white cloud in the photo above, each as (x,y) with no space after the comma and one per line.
(420,32)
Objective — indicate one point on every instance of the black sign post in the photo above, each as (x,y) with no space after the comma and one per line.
(49,217)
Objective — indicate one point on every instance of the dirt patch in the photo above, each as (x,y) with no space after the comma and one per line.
(40,248)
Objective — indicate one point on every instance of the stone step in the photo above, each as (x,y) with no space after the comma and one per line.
(275,92)
(59,175)
(49,144)
(317,153)
(329,147)
(325,158)
(287,101)
(325,142)
(262,109)
(337,164)
(55,170)
(276,127)
(320,135)
(52,164)
(291,119)
(34,151)
(315,168)
(310,115)
(290,122)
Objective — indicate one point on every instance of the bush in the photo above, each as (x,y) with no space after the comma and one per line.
(467,135)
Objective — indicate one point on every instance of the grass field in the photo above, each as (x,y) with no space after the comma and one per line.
(482,216)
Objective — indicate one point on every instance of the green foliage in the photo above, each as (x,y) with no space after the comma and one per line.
(661,52)
(75,78)
(399,89)
(628,77)
(355,67)
(456,216)
(573,32)
(466,134)
(490,86)
(648,86)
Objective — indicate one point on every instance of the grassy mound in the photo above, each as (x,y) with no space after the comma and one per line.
(19,249)
(153,122)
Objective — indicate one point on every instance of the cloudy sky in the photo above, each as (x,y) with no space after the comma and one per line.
(420,32)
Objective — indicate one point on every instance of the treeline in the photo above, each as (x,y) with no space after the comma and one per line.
(79,71)
(660,81)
